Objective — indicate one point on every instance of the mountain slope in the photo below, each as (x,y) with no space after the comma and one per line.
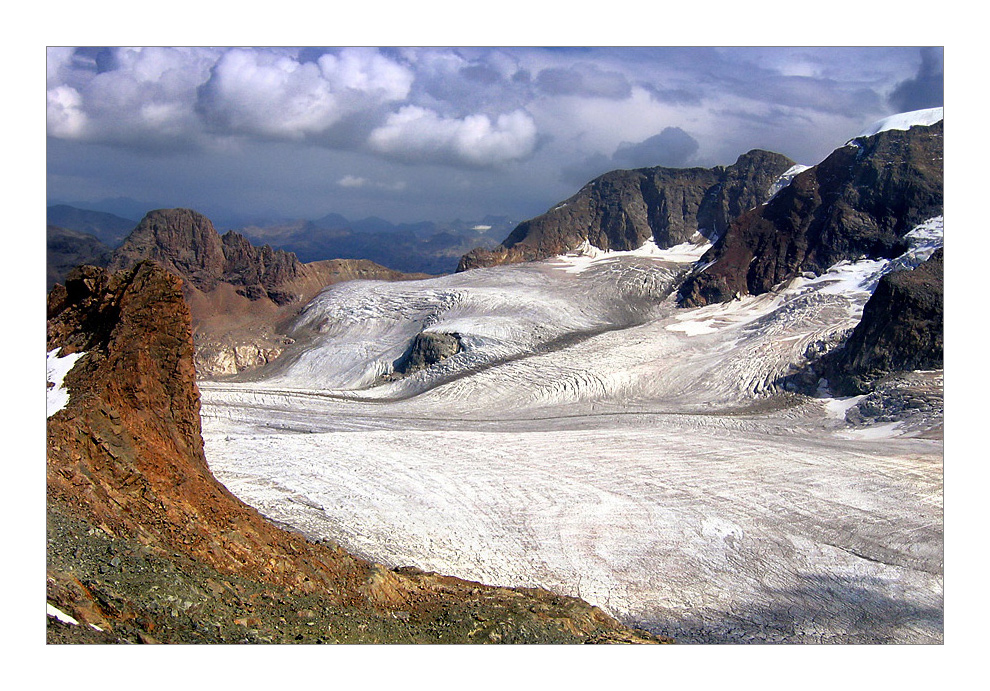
(860,201)
(108,228)
(427,247)
(240,295)
(623,209)
(901,330)
(144,545)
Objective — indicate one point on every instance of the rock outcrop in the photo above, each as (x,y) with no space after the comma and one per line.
(623,209)
(428,348)
(901,330)
(186,243)
(859,202)
(241,296)
(144,545)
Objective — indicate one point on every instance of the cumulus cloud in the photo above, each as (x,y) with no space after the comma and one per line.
(143,98)
(185,96)
(352,181)
(271,95)
(925,89)
(357,182)
(416,134)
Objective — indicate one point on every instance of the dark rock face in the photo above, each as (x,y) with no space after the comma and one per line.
(901,329)
(860,201)
(186,243)
(428,348)
(67,249)
(624,208)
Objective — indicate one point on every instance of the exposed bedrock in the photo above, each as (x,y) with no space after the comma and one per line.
(623,209)
(901,330)
(428,348)
(858,202)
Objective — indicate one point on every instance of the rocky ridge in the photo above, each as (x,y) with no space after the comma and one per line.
(144,545)
(241,296)
(859,202)
(186,243)
(623,209)
(901,330)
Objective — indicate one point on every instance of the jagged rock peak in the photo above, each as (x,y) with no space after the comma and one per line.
(622,209)
(859,202)
(186,243)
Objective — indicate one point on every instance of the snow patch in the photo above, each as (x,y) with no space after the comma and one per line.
(903,121)
(586,255)
(54,611)
(887,431)
(785,179)
(58,367)
(694,328)
(836,408)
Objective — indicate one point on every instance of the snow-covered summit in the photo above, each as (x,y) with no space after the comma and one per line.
(903,121)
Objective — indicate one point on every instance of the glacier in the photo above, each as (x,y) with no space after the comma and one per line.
(595,439)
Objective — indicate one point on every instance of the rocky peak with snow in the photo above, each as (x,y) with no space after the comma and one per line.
(623,209)
(859,202)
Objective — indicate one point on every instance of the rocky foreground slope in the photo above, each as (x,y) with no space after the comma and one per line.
(144,545)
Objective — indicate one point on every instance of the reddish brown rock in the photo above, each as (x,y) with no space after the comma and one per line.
(145,543)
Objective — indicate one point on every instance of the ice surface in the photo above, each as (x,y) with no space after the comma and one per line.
(597,440)
(58,367)
(587,255)
(903,121)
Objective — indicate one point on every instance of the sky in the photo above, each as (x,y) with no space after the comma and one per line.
(413,134)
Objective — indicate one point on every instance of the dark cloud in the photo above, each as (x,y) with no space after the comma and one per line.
(580,172)
(583,79)
(677,97)
(672,148)
(482,74)
(497,129)
(925,89)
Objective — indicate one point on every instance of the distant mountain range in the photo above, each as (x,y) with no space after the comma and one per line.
(425,247)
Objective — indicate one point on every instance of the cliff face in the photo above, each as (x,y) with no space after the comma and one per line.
(860,201)
(146,545)
(901,330)
(186,243)
(624,208)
